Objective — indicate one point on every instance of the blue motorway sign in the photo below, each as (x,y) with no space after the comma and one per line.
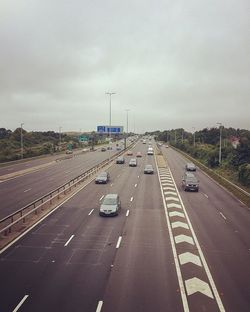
(112,129)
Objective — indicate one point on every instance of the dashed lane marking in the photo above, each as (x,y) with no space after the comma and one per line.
(223,216)
(71,237)
(127,213)
(90,212)
(131,199)
(135,185)
(27,190)
(99,306)
(102,197)
(118,242)
(20,303)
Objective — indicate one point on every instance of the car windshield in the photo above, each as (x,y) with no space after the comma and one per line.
(109,201)
(103,174)
(191,179)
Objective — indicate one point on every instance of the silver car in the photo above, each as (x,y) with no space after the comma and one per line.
(110,205)
(190,182)
(102,177)
(148,169)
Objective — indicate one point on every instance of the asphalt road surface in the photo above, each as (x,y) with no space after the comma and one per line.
(168,250)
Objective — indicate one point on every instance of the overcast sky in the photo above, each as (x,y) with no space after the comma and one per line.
(172,63)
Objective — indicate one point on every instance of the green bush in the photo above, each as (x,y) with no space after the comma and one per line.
(244,174)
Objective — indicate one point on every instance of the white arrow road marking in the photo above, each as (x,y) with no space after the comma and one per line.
(179,224)
(176,214)
(20,303)
(194,285)
(99,306)
(172,198)
(184,239)
(170,193)
(173,205)
(188,257)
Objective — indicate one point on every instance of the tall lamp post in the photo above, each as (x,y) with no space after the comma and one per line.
(220,127)
(60,137)
(22,140)
(127,110)
(194,135)
(110,94)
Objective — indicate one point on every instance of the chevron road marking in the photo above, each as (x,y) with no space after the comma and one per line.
(172,198)
(176,214)
(168,188)
(170,193)
(184,239)
(194,285)
(179,224)
(173,205)
(188,257)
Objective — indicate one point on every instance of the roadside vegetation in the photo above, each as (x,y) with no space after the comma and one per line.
(204,146)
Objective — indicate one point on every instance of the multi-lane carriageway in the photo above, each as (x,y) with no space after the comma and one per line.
(168,250)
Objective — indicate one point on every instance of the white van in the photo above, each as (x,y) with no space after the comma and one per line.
(150,151)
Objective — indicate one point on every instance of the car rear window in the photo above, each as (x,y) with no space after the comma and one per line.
(109,201)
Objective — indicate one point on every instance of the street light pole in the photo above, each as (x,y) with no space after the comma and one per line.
(220,125)
(22,140)
(60,138)
(127,110)
(194,135)
(110,94)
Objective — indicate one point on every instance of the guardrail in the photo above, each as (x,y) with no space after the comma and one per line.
(8,223)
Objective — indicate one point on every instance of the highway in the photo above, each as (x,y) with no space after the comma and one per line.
(168,250)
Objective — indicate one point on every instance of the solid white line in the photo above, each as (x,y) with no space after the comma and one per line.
(118,242)
(203,260)
(127,213)
(135,185)
(91,212)
(102,197)
(69,240)
(131,199)
(20,303)
(223,216)
(27,190)
(99,307)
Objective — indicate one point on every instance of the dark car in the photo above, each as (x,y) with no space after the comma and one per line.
(190,167)
(148,169)
(190,182)
(110,205)
(103,149)
(120,160)
(102,177)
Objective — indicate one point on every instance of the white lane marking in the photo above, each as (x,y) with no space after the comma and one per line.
(20,303)
(27,190)
(131,199)
(188,257)
(172,198)
(99,306)
(138,177)
(102,197)
(135,185)
(167,184)
(205,195)
(176,214)
(203,260)
(67,172)
(170,193)
(90,212)
(127,213)
(183,239)
(118,242)
(173,205)
(223,216)
(194,285)
(168,188)
(66,244)
(179,224)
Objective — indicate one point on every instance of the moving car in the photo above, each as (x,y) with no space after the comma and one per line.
(133,162)
(190,182)
(148,169)
(129,153)
(190,167)
(150,151)
(138,154)
(103,149)
(103,177)
(69,152)
(120,160)
(110,205)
